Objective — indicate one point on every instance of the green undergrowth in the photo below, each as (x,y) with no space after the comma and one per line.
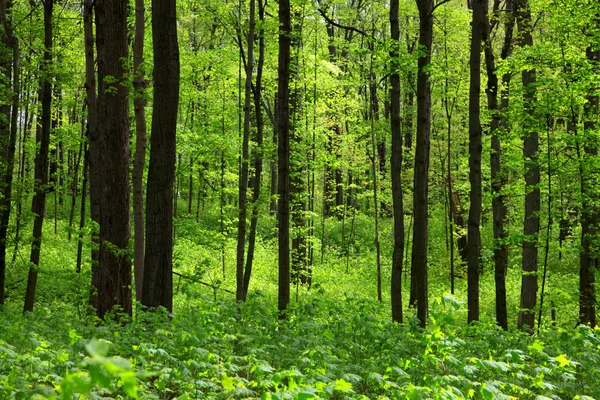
(324,349)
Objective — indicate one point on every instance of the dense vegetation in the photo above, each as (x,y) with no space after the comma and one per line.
(299,199)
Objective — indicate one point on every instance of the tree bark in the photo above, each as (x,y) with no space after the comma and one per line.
(114,266)
(38,205)
(421,174)
(9,133)
(531,225)
(244,167)
(283,153)
(158,263)
(474,235)
(137,176)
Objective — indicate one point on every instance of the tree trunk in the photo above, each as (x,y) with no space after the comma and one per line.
(531,225)
(421,174)
(588,260)
(158,263)
(114,267)
(137,176)
(499,208)
(474,235)
(258,152)
(396,167)
(244,167)
(38,205)
(92,127)
(9,134)
(283,153)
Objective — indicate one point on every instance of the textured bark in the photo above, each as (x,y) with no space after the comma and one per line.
(588,259)
(283,152)
(258,152)
(82,211)
(114,267)
(531,225)
(92,127)
(38,206)
(499,209)
(396,166)
(421,174)
(9,133)
(474,235)
(158,261)
(244,167)
(137,176)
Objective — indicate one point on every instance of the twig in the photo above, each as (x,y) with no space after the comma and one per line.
(202,283)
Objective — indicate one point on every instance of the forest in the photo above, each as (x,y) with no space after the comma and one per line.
(299,199)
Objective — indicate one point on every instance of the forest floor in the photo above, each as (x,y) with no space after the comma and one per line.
(337,341)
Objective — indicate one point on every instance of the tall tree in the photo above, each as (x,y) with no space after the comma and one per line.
(474,235)
(158,263)
(396,166)
(114,267)
(531,224)
(42,138)
(283,154)
(92,133)
(588,259)
(499,208)
(421,173)
(11,66)
(137,176)
(245,167)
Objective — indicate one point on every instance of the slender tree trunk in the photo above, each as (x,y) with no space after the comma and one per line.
(531,225)
(421,174)
(114,267)
(9,134)
(396,167)
(588,260)
(92,126)
(258,152)
(475,147)
(244,167)
(191,187)
(41,161)
(499,208)
(75,187)
(137,176)
(158,262)
(283,152)
(82,209)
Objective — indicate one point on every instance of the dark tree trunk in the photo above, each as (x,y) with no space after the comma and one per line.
(474,235)
(258,152)
(531,225)
(9,134)
(92,127)
(191,187)
(396,167)
(158,262)
(82,209)
(42,139)
(244,168)
(114,266)
(588,260)
(421,174)
(283,152)
(499,208)
(137,175)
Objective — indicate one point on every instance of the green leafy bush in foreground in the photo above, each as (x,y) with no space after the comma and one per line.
(325,349)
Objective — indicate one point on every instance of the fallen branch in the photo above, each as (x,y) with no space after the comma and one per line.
(202,283)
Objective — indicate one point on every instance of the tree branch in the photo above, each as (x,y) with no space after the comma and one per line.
(347,28)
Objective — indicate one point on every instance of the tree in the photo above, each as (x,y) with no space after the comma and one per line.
(137,176)
(42,137)
(114,267)
(283,154)
(158,263)
(396,167)
(11,70)
(421,173)
(475,147)
(531,224)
